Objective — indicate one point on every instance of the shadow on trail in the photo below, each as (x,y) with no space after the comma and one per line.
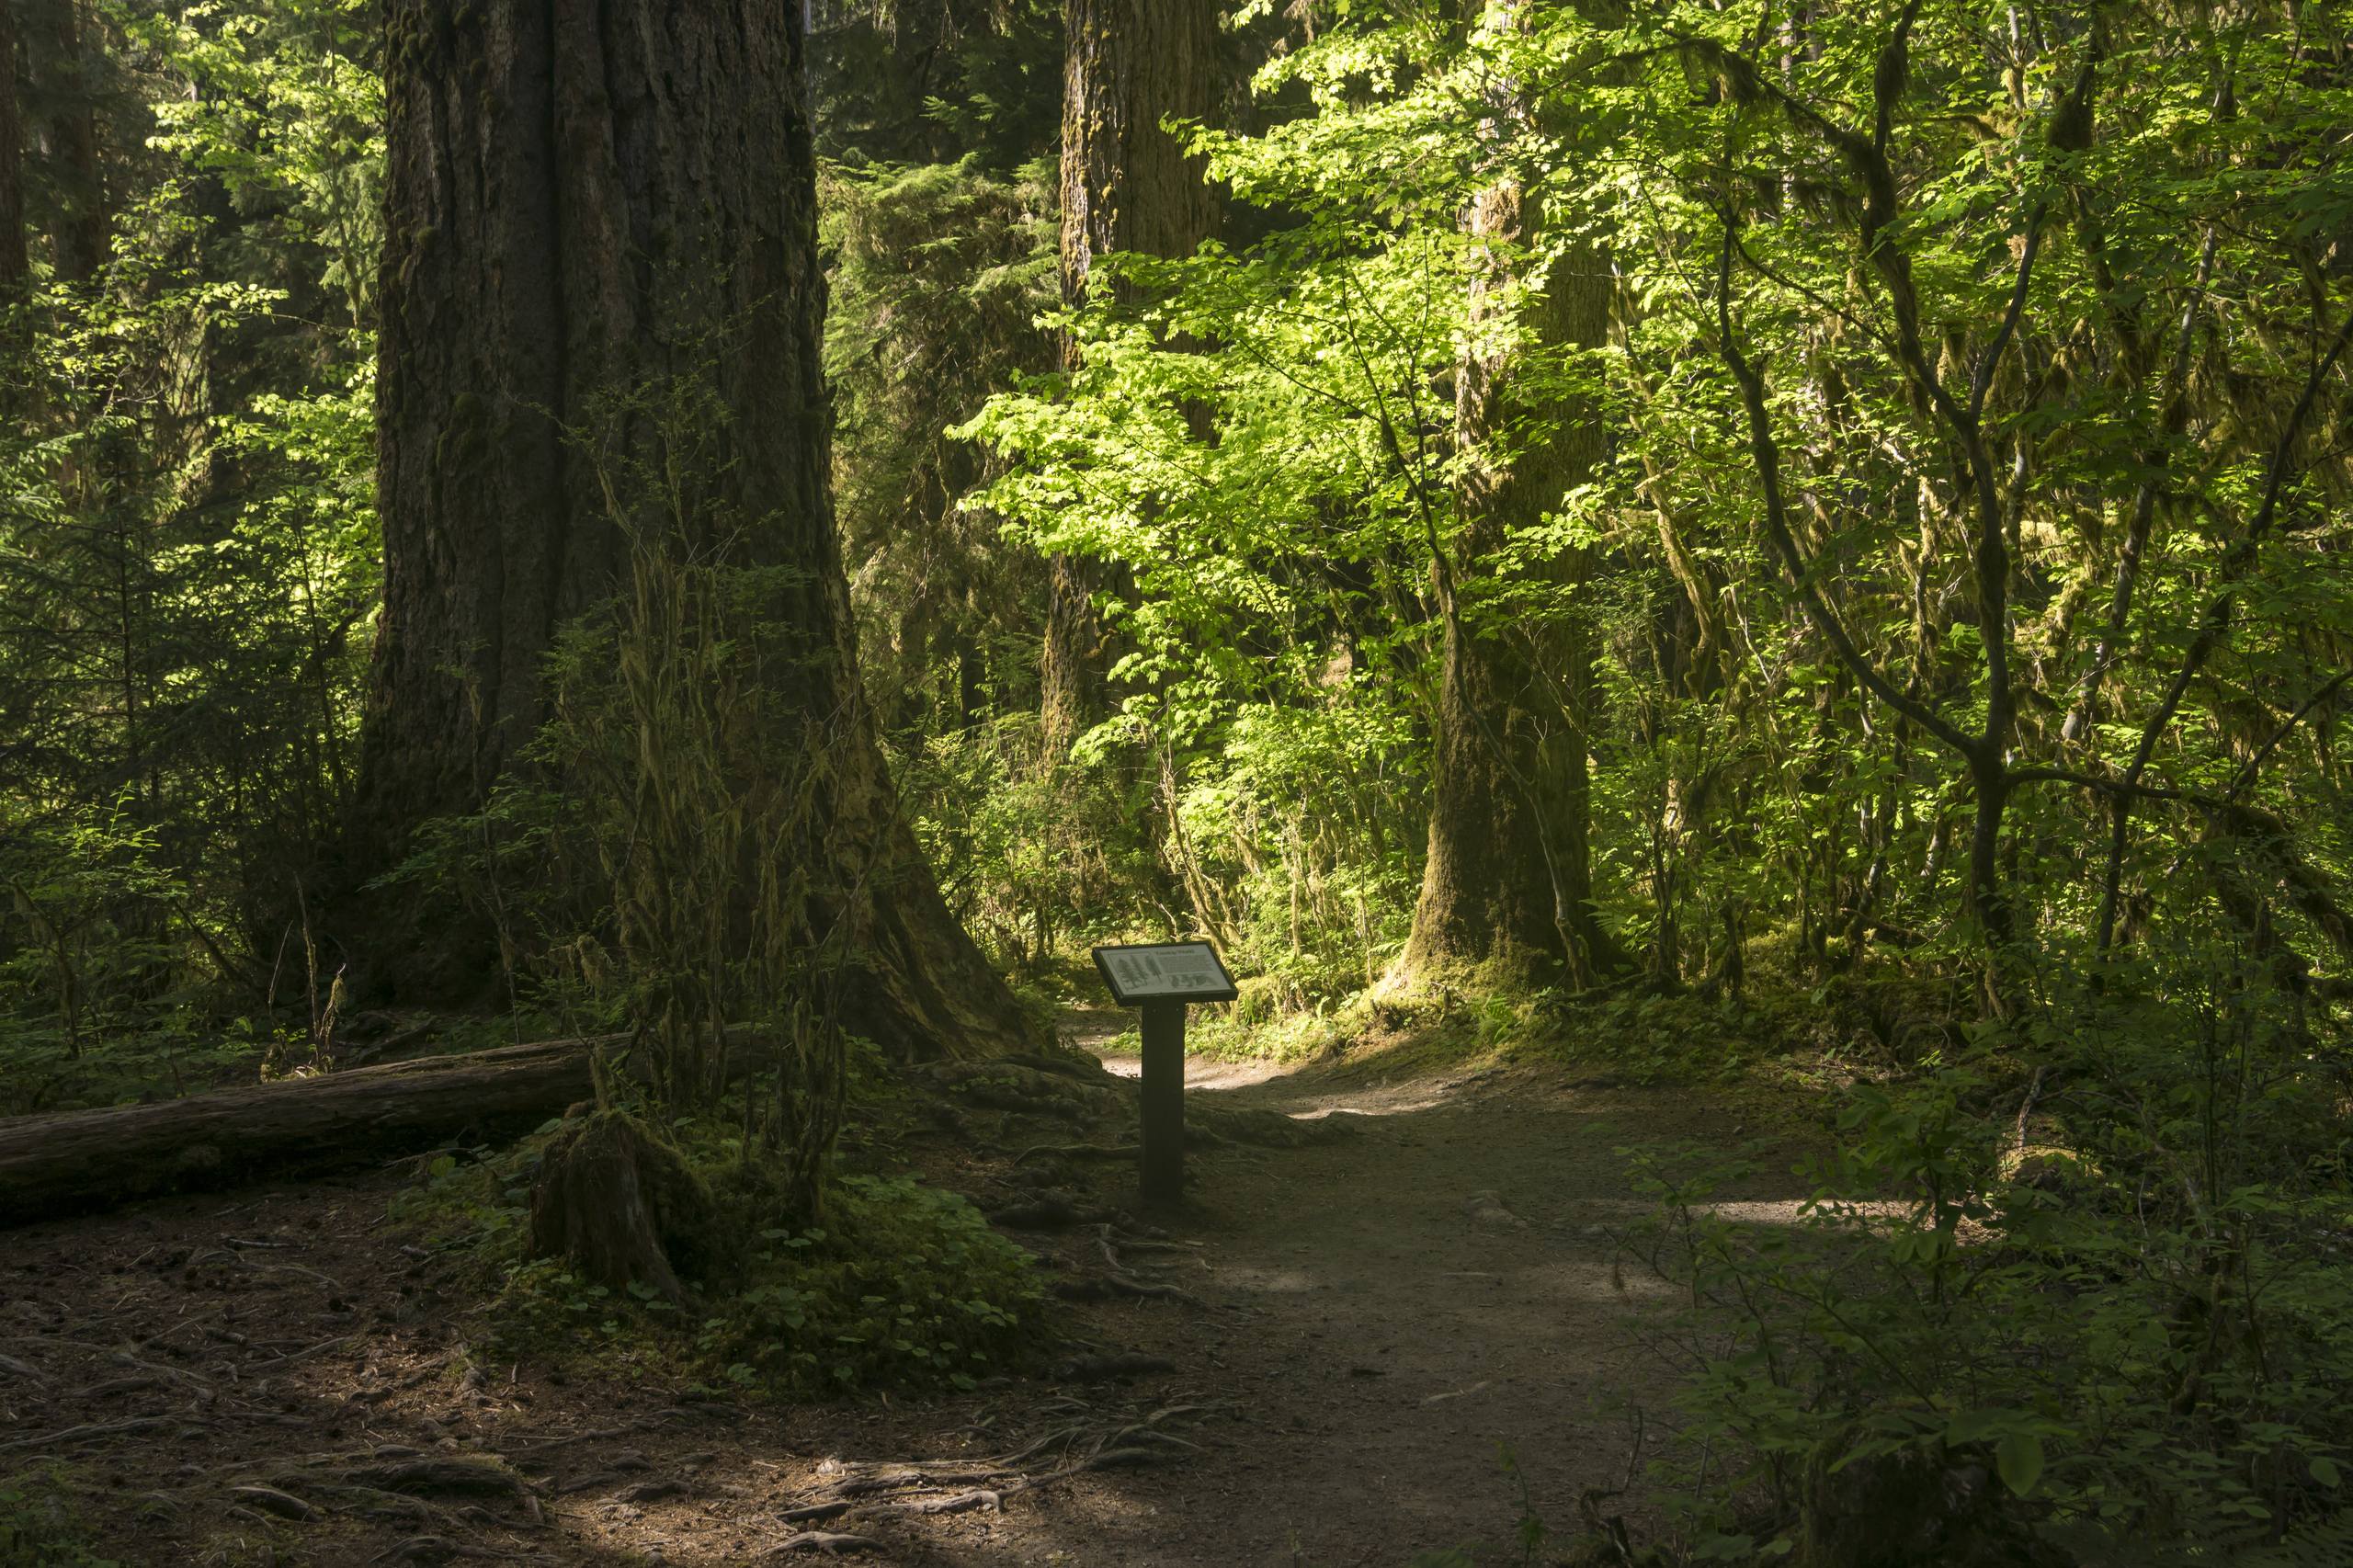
(1358,1328)
(1396,1310)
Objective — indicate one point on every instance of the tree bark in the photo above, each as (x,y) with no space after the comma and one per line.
(83,221)
(15,269)
(1127,184)
(1508,876)
(591,206)
(622,1207)
(76,1161)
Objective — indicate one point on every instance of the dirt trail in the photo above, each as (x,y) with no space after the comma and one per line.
(1369,1318)
(1395,1308)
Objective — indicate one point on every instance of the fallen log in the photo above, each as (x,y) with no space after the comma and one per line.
(75,1162)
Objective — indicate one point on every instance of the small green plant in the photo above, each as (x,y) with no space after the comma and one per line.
(907,1284)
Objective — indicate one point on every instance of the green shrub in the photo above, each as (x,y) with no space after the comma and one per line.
(902,1285)
(2148,1341)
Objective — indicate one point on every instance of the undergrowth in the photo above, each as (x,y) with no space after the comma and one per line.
(1778,1034)
(2076,1291)
(40,1523)
(902,1285)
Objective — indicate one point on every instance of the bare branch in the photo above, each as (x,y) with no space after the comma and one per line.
(1767,454)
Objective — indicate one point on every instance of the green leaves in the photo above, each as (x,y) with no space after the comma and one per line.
(2018,1457)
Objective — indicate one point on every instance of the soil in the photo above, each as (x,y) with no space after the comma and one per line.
(1360,1331)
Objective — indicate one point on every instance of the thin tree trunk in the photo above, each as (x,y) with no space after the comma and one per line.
(592,204)
(83,223)
(15,270)
(1126,185)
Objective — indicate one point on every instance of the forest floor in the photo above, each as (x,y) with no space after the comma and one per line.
(1358,1330)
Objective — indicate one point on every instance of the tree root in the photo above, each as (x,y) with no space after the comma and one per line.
(1122,1458)
(398,1487)
(434,1549)
(961,1485)
(1031,1085)
(462,1477)
(1111,1287)
(652,1491)
(270,1500)
(1113,1364)
(1080,1065)
(1210,1125)
(320,1349)
(1053,1212)
(85,1434)
(961,1502)
(218,1255)
(827,1541)
(1079,1151)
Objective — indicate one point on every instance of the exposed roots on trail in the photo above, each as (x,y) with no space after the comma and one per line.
(285,1370)
(1051,1212)
(1079,1151)
(1019,1085)
(1075,1088)
(826,1541)
(1097,1368)
(1113,1287)
(442,1493)
(860,1492)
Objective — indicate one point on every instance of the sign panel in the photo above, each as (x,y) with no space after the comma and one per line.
(1171,971)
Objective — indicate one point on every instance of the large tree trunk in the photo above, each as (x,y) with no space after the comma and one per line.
(1508,876)
(591,203)
(1126,185)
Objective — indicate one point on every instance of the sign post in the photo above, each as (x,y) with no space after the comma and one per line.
(1162,981)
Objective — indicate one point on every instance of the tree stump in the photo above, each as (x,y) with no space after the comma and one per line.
(623,1207)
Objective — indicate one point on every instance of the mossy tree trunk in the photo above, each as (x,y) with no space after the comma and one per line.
(1126,185)
(586,202)
(1508,880)
(623,1207)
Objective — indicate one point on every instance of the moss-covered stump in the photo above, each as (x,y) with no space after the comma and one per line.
(622,1208)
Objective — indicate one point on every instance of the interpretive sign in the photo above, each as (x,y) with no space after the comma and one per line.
(1162,979)
(1171,971)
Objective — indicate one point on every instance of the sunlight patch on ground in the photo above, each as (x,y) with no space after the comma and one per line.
(1619,1211)
(1386,1107)
(1204,1074)
(1274,1281)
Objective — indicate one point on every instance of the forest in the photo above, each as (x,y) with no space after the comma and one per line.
(1736,617)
